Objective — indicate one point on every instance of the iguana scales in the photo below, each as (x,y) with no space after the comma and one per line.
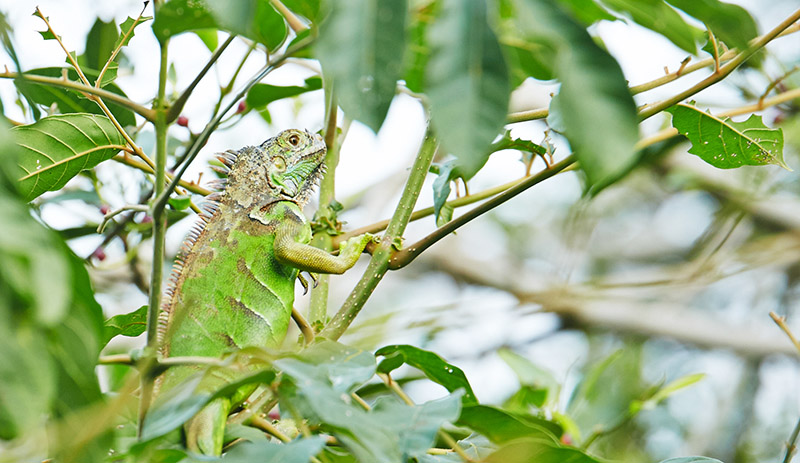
(233,284)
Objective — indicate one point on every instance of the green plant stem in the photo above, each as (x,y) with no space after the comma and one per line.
(379,263)
(318,305)
(791,446)
(177,106)
(729,67)
(407,254)
(161,126)
(62,82)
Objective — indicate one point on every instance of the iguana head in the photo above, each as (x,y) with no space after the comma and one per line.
(284,168)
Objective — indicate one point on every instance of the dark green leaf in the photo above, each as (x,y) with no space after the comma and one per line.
(659,17)
(297,451)
(129,324)
(448,172)
(587,11)
(48,35)
(56,148)
(502,426)
(527,59)
(597,110)
(263,94)
(255,19)
(178,16)
(418,51)
(361,47)
(69,101)
(726,144)
(99,44)
(730,23)
(433,366)
(309,9)
(540,451)
(467,82)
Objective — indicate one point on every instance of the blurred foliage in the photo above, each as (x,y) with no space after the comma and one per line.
(575,257)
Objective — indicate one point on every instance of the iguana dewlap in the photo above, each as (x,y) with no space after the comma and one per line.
(233,285)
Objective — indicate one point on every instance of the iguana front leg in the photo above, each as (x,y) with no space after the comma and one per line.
(310,259)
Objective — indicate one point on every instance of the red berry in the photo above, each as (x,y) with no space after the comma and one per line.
(274,415)
(105,209)
(147,219)
(241,108)
(183,121)
(99,254)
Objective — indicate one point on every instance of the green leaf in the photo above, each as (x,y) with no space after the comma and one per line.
(587,11)
(263,94)
(667,390)
(56,148)
(177,16)
(730,23)
(69,101)
(130,324)
(254,19)
(210,38)
(467,82)
(726,144)
(525,398)
(540,451)
(309,9)
(180,202)
(530,374)
(433,366)
(330,362)
(659,17)
(527,59)
(597,110)
(418,51)
(297,451)
(127,30)
(501,426)
(361,47)
(695,459)
(99,44)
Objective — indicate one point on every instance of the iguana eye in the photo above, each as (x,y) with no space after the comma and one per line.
(279,163)
(294,139)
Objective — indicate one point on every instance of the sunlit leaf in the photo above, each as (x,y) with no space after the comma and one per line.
(178,16)
(263,94)
(530,374)
(254,19)
(540,451)
(99,44)
(128,324)
(659,17)
(56,148)
(433,366)
(361,47)
(730,23)
(726,144)
(297,451)
(587,11)
(467,82)
(128,28)
(502,426)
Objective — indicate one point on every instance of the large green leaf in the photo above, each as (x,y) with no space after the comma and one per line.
(726,144)
(540,451)
(263,94)
(128,324)
(177,16)
(587,11)
(418,51)
(659,17)
(99,44)
(69,101)
(297,451)
(467,82)
(433,366)
(57,148)
(597,111)
(502,426)
(254,19)
(361,47)
(730,23)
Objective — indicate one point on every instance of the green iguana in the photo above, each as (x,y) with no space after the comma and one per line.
(233,285)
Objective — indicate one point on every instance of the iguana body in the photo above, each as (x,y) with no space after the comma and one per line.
(234,284)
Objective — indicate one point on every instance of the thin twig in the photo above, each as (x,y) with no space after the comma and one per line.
(781,322)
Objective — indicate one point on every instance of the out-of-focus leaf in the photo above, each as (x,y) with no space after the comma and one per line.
(128,324)
(178,16)
(726,144)
(530,374)
(587,11)
(467,82)
(180,202)
(69,101)
(540,451)
(99,44)
(297,451)
(361,47)
(418,51)
(659,17)
(255,19)
(731,23)
(56,148)
(597,110)
(525,398)
(210,38)
(501,426)
(263,94)
(527,59)
(476,446)
(694,459)
(433,366)
(309,9)
(666,391)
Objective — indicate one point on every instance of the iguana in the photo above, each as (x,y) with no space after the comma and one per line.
(233,284)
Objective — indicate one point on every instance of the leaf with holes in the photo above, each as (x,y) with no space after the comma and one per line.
(57,148)
(726,144)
